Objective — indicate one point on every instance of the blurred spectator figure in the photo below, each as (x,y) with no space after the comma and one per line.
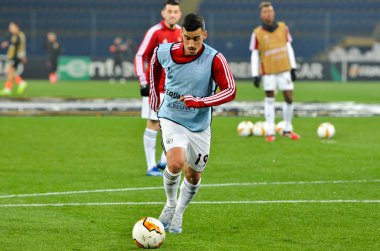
(118,51)
(53,48)
(131,50)
(16,54)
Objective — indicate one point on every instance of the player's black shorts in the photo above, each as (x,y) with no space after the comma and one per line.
(14,62)
(52,66)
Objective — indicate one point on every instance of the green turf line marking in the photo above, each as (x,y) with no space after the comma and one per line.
(195,202)
(204,185)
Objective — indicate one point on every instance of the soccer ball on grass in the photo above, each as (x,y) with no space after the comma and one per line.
(148,232)
(245,128)
(280,127)
(326,130)
(260,128)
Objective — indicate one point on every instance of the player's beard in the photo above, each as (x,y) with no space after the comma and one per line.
(191,51)
(171,22)
(270,27)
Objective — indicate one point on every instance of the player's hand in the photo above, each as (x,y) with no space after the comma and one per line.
(191,102)
(4,44)
(144,90)
(24,60)
(256,81)
(293,74)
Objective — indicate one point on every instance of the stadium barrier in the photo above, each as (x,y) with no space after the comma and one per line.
(86,68)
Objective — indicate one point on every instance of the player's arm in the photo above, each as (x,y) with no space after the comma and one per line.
(255,60)
(143,54)
(21,54)
(292,58)
(223,78)
(4,44)
(156,71)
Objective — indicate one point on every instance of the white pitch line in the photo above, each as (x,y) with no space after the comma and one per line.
(316,182)
(195,202)
(80,192)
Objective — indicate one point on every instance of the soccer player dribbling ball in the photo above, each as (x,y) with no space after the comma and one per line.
(193,70)
(167,31)
(273,54)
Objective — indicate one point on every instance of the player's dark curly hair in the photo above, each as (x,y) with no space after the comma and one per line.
(170,2)
(193,22)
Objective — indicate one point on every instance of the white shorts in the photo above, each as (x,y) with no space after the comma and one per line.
(281,80)
(196,144)
(146,111)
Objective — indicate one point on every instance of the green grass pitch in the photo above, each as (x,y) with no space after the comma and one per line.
(280,196)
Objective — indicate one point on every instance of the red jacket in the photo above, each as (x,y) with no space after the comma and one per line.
(221,74)
(156,35)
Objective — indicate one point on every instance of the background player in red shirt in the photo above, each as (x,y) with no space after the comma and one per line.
(167,31)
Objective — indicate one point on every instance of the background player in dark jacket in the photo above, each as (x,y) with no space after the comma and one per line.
(118,50)
(54,50)
(16,54)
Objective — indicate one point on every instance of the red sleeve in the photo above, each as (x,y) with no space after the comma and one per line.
(224,79)
(156,72)
(144,55)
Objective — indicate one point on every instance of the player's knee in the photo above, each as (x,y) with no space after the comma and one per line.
(288,100)
(193,178)
(269,94)
(175,165)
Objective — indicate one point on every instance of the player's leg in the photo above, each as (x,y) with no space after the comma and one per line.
(288,109)
(189,188)
(172,177)
(112,79)
(52,66)
(10,70)
(150,137)
(162,163)
(121,72)
(19,80)
(287,86)
(175,142)
(269,83)
(21,83)
(196,158)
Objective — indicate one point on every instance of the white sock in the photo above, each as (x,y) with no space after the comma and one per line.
(163,157)
(187,193)
(269,114)
(171,182)
(150,147)
(288,116)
